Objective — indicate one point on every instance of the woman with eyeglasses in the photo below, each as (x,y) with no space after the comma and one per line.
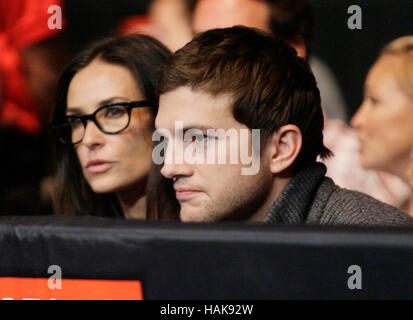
(104,118)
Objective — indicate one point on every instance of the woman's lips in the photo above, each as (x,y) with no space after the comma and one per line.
(99,166)
(361,145)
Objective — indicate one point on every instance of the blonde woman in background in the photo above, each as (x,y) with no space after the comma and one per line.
(384,121)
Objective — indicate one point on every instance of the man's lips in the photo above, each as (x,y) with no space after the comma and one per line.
(183,194)
(99,166)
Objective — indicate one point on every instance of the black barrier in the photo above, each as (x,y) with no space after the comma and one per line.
(219,261)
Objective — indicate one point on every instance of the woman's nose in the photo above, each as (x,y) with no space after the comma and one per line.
(357,120)
(93,137)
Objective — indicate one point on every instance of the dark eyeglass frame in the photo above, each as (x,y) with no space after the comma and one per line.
(92,117)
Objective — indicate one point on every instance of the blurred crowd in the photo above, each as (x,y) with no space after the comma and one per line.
(373,148)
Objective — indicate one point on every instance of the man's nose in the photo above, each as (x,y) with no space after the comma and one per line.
(174,164)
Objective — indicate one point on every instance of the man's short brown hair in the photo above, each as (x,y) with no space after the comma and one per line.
(271,86)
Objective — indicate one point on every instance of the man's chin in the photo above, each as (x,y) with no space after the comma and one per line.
(188,218)
(194,215)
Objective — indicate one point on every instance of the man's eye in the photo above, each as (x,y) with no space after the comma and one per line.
(164,138)
(202,138)
(198,138)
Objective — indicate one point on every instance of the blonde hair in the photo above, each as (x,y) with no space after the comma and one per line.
(403,48)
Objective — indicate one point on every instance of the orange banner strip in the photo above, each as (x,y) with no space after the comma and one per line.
(71,289)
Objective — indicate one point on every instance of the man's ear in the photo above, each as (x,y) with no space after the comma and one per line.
(283,147)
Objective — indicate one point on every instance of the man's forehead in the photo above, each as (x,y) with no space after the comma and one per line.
(195,107)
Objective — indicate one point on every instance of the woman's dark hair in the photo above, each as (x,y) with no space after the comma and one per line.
(161,200)
(143,56)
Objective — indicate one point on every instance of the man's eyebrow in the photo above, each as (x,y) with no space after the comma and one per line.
(199,127)
(186,128)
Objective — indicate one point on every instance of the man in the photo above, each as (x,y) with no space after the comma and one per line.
(239,79)
(292,21)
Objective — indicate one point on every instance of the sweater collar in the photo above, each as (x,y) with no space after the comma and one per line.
(293,204)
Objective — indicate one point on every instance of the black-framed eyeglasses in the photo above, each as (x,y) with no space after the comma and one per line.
(110,119)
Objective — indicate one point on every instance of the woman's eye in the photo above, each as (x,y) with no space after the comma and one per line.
(114,112)
(373,100)
(75,123)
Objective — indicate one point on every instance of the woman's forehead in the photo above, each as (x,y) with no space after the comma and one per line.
(98,83)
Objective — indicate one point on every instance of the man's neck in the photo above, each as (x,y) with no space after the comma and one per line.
(410,208)
(278,186)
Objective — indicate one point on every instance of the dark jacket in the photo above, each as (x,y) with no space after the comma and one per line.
(312,198)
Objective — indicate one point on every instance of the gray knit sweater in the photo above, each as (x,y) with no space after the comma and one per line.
(312,198)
